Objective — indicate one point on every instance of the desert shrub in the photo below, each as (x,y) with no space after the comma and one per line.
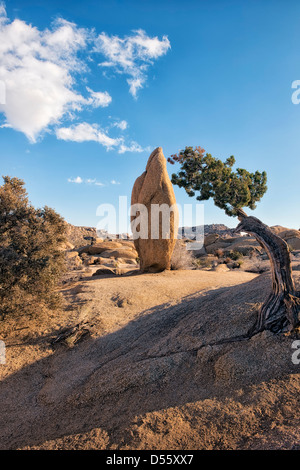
(203,263)
(256,265)
(219,253)
(235,255)
(31,255)
(235,264)
(181,257)
(252,253)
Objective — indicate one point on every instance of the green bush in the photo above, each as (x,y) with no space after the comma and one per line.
(235,255)
(31,255)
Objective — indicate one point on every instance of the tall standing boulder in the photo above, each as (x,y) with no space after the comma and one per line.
(152,190)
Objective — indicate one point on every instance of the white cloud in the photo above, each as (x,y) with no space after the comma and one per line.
(121,125)
(85,132)
(133,147)
(94,181)
(2,12)
(135,85)
(37,68)
(77,180)
(90,181)
(98,98)
(131,55)
(115,182)
(40,68)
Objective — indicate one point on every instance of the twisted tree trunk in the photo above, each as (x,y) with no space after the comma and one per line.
(281,311)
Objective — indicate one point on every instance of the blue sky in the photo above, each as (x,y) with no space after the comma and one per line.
(91,88)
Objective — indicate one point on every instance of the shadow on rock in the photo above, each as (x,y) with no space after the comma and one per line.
(169,356)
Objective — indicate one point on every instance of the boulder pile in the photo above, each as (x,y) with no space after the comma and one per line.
(246,245)
(109,256)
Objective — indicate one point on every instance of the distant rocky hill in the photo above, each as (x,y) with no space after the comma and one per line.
(220,229)
(78,236)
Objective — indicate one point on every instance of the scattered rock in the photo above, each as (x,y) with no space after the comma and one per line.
(221,268)
(100,248)
(90,260)
(120,253)
(104,270)
(71,254)
(83,250)
(244,245)
(96,241)
(294,243)
(212,238)
(291,236)
(128,261)
(66,246)
(73,259)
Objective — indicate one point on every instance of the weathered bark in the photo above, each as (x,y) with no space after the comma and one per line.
(282,308)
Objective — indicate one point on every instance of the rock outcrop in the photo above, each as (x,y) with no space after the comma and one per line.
(246,244)
(117,257)
(78,235)
(220,229)
(291,236)
(154,187)
(99,248)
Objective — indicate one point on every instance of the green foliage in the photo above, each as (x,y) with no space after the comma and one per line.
(31,259)
(212,178)
(235,255)
(202,263)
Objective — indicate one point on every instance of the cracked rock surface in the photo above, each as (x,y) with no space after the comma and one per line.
(169,363)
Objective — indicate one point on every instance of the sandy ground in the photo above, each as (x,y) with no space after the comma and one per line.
(166,364)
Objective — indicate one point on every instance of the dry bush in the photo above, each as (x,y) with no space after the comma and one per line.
(203,263)
(181,257)
(219,253)
(255,264)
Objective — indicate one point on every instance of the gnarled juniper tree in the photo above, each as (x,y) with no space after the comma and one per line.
(231,191)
